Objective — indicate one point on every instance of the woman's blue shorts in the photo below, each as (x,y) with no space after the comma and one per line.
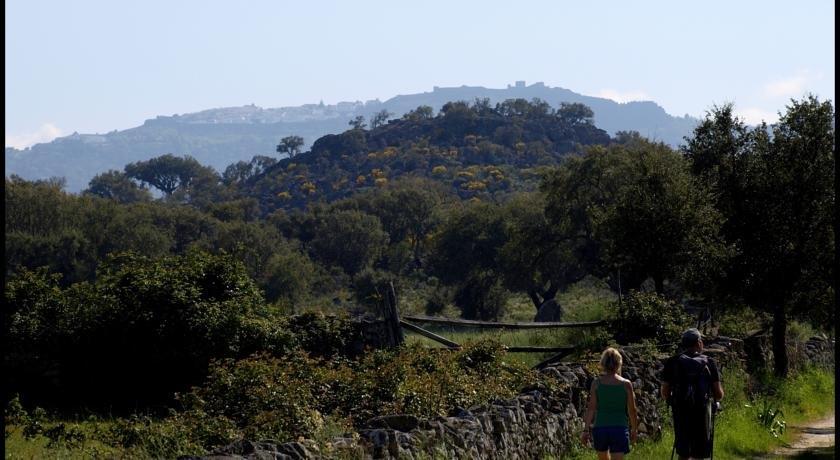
(611,438)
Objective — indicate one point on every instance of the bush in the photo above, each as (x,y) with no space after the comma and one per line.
(265,397)
(481,297)
(644,315)
(369,287)
(324,336)
(145,329)
(282,398)
(438,299)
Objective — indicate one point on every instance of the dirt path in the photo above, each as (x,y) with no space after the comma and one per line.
(812,442)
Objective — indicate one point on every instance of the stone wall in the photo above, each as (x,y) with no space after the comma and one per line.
(531,425)
(758,348)
(820,351)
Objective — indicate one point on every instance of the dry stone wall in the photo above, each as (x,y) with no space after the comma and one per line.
(535,423)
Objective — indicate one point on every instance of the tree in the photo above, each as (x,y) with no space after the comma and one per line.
(465,253)
(663,223)
(423,112)
(117,186)
(358,122)
(468,241)
(166,173)
(634,210)
(203,189)
(407,214)
(352,240)
(241,171)
(777,192)
(575,114)
(288,274)
(379,118)
(536,259)
(290,145)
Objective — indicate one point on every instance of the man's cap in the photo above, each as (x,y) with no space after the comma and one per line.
(691,336)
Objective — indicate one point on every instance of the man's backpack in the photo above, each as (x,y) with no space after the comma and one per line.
(693,387)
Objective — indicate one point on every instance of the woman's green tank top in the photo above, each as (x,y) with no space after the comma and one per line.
(612,405)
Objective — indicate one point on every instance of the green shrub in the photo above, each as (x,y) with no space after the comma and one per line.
(170,437)
(323,335)
(648,316)
(62,435)
(266,397)
(438,299)
(145,329)
(295,395)
(369,287)
(737,322)
(481,297)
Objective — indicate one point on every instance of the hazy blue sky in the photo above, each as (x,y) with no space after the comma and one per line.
(95,66)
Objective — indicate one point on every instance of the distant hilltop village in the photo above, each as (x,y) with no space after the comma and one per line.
(516,84)
(252,113)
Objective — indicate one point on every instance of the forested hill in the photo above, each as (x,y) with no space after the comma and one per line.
(474,150)
(219,137)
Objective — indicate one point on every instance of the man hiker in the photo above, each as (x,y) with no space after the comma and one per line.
(691,386)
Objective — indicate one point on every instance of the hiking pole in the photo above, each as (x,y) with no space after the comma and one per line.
(673,449)
(715,409)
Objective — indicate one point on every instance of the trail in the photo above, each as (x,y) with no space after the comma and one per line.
(814,442)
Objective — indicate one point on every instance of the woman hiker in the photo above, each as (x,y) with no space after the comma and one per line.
(610,421)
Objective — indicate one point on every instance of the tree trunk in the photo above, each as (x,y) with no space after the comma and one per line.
(553,288)
(780,366)
(535,298)
(415,249)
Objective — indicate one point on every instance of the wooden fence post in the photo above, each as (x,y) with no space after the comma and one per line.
(392,317)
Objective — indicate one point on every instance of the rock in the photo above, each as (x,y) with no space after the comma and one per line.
(399,422)
(458,412)
(295,450)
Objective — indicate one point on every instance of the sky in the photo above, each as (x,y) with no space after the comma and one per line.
(94,66)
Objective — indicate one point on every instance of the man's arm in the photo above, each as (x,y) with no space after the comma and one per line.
(667,378)
(717,390)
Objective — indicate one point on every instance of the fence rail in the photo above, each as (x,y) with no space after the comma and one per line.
(428,334)
(499,325)
(396,324)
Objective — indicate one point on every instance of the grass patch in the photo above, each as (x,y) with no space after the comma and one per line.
(589,300)
(17,446)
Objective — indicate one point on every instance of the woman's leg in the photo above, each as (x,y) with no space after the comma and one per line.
(617,455)
(605,455)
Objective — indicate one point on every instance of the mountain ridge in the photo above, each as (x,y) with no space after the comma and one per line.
(221,136)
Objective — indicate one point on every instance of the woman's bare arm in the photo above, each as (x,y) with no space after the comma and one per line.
(631,409)
(590,414)
(590,408)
